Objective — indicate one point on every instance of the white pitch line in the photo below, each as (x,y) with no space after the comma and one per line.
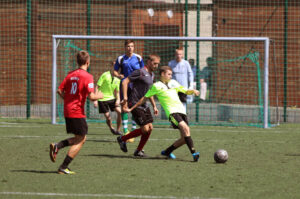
(96,195)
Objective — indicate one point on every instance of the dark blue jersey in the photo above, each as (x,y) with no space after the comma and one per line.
(128,64)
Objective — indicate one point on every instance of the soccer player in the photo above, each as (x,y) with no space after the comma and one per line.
(109,86)
(124,66)
(75,88)
(182,73)
(141,81)
(166,91)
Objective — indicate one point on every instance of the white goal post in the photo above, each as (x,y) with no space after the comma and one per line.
(56,38)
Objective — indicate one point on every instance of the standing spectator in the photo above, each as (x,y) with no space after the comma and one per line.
(182,73)
(75,88)
(109,86)
(206,79)
(124,66)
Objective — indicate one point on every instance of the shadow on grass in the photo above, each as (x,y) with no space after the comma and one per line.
(136,158)
(292,154)
(34,171)
(104,141)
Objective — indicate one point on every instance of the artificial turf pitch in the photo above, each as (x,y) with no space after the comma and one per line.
(263,163)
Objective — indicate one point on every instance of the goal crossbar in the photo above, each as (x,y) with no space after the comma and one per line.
(56,38)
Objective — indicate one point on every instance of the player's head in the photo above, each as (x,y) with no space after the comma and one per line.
(178,55)
(165,73)
(83,58)
(209,61)
(153,61)
(129,46)
(192,62)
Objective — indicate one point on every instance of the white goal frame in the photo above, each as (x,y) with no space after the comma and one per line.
(56,38)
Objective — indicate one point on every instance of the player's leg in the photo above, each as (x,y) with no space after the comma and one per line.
(146,132)
(76,144)
(119,119)
(55,147)
(108,120)
(124,117)
(133,124)
(79,128)
(185,134)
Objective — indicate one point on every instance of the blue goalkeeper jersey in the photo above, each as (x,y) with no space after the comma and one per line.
(128,64)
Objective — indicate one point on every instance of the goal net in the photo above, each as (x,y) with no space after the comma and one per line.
(230,72)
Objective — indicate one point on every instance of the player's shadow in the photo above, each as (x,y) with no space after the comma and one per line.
(34,171)
(292,154)
(103,141)
(134,157)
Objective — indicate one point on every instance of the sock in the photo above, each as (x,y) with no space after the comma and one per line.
(190,144)
(133,124)
(125,122)
(144,139)
(62,144)
(170,149)
(66,162)
(132,134)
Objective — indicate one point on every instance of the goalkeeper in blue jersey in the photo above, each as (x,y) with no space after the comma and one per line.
(166,90)
(124,66)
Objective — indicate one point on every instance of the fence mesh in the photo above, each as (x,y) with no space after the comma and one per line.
(26,27)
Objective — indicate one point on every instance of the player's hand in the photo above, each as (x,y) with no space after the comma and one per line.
(99,94)
(96,104)
(117,104)
(155,111)
(123,102)
(196,92)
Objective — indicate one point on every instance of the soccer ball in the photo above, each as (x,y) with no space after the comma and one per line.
(221,156)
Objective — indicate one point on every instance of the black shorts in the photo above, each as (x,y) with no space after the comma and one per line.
(105,106)
(142,116)
(176,118)
(77,126)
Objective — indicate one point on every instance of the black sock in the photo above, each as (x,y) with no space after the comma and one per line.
(62,144)
(190,144)
(66,162)
(170,149)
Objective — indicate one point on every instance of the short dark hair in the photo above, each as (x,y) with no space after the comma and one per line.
(164,69)
(151,57)
(128,41)
(82,57)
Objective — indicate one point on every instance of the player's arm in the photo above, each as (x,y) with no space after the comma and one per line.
(95,95)
(116,72)
(192,92)
(118,75)
(61,93)
(117,96)
(125,83)
(154,105)
(96,102)
(140,102)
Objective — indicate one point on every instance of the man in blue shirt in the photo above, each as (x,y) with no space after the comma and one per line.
(124,66)
(182,73)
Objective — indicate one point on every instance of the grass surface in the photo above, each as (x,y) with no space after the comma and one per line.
(263,163)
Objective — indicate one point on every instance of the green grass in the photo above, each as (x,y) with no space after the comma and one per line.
(263,163)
